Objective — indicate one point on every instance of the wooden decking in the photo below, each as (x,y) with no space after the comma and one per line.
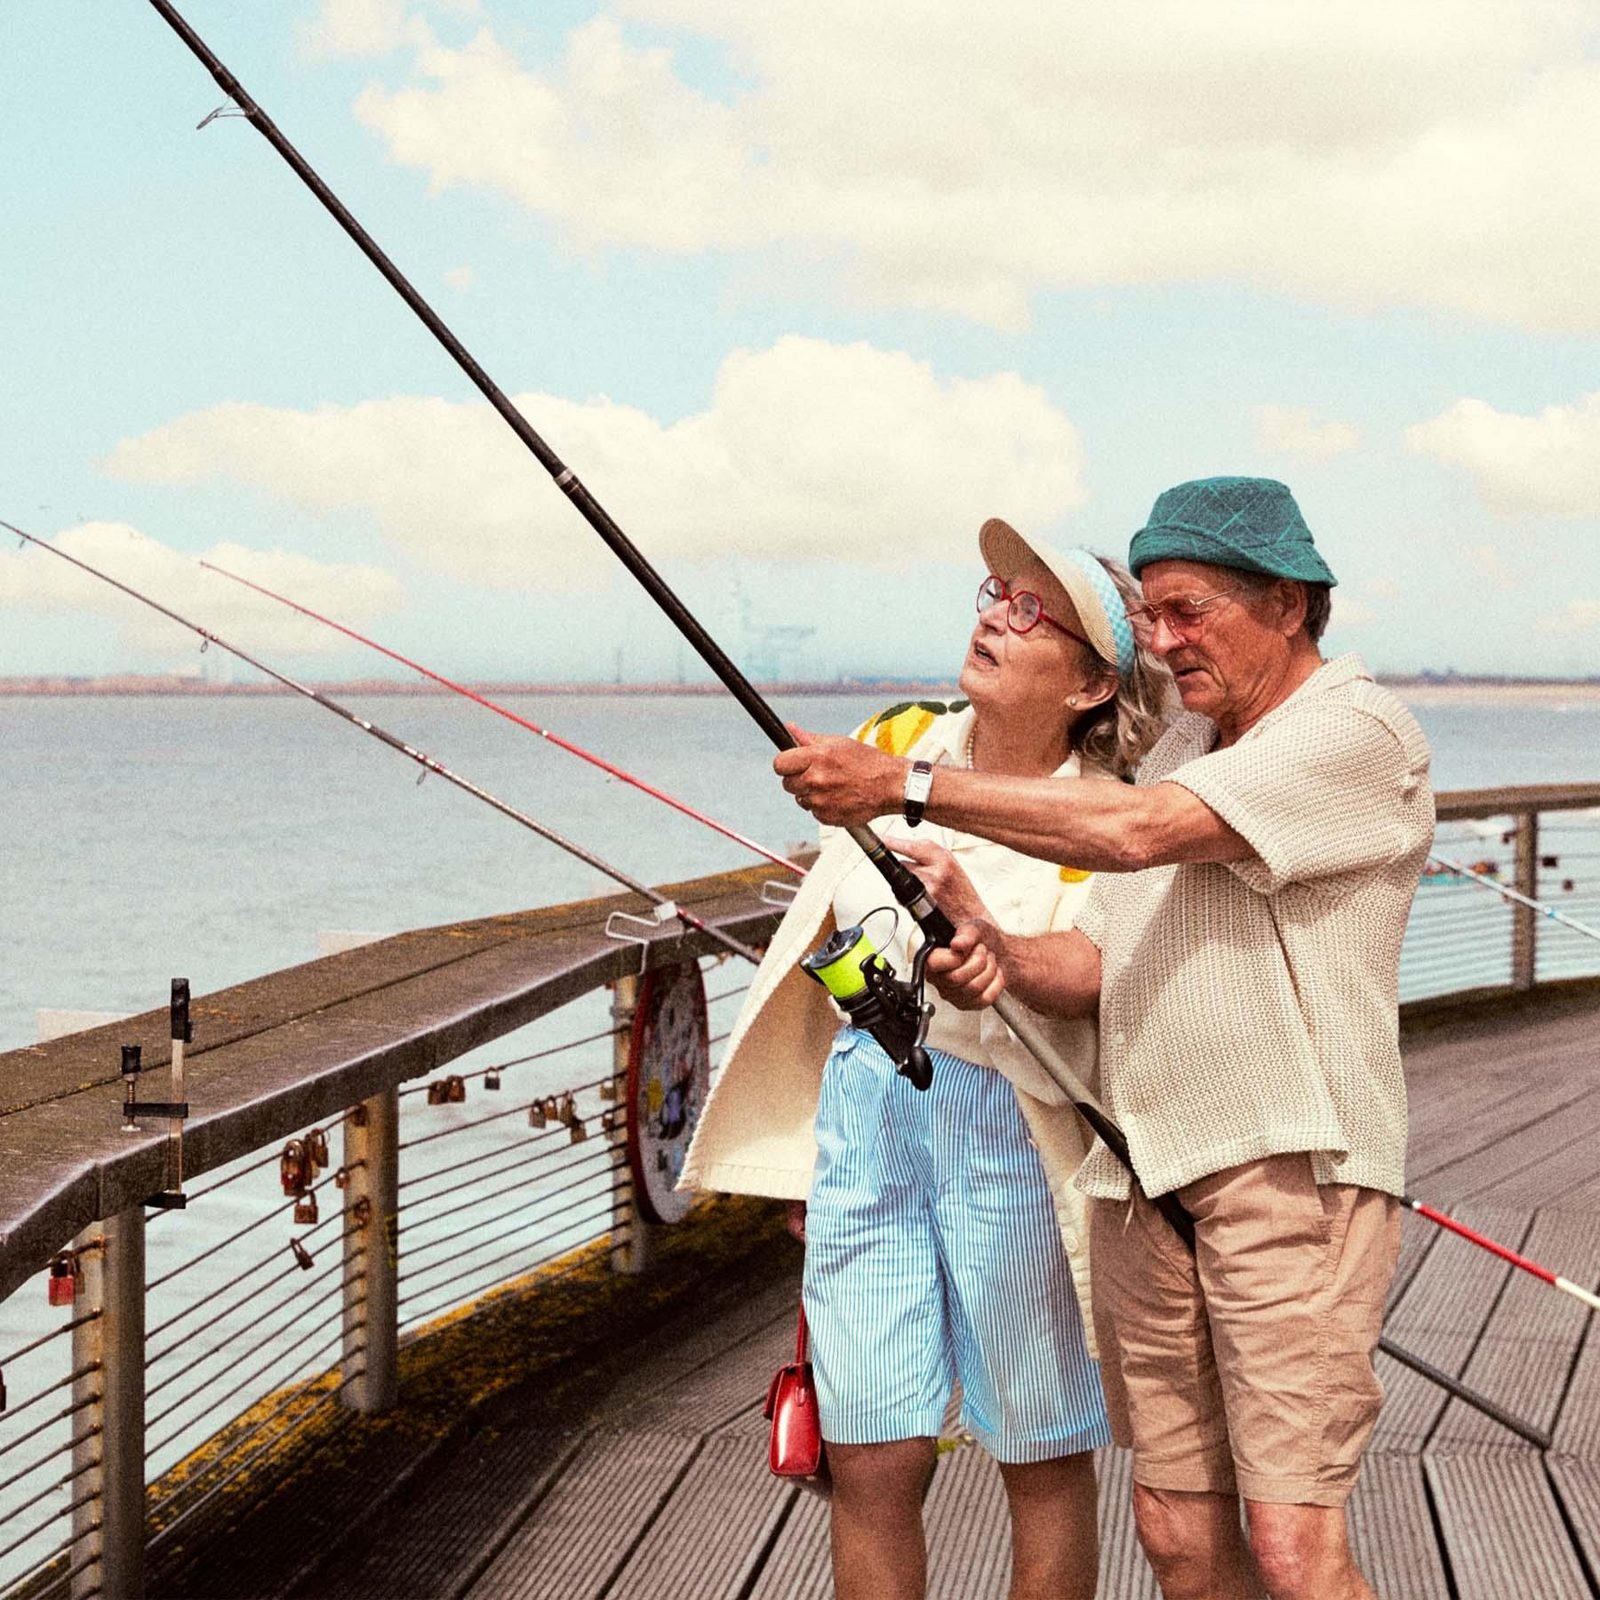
(655,1484)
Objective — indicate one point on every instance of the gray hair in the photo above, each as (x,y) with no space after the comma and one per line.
(1117,734)
(1319,598)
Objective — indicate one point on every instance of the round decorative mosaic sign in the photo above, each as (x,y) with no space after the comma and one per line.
(669,1072)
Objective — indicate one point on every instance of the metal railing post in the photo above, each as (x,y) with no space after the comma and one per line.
(108,1529)
(372,1253)
(630,1233)
(1524,923)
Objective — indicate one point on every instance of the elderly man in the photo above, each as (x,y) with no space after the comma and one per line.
(1242,946)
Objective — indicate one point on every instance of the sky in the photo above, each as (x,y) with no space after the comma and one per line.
(803,294)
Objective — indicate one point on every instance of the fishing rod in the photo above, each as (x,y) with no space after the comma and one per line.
(1517,897)
(908,890)
(1504,1251)
(422,759)
(512,716)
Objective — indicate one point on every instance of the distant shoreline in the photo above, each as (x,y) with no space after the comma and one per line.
(1425,689)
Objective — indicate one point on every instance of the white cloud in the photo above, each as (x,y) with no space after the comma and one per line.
(961,158)
(1544,465)
(808,452)
(359,28)
(1294,431)
(32,580)
(1576,616)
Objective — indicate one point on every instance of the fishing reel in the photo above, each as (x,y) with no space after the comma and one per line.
(864,986)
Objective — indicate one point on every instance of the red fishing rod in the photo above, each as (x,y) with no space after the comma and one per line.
(422,759)
(511,716)
(1504,1251)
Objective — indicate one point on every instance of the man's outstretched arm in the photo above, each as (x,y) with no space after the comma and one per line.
(1087,823)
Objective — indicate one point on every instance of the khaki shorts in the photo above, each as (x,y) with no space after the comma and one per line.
(1246,1367)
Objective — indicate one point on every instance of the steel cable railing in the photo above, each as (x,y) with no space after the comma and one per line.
(299,1315)
(484,1205)
(527,1268)
(165,1532)
(290,1272)
(539,1275)
(232,1445)
(494,1239)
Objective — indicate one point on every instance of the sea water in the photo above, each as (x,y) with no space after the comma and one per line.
(216,838)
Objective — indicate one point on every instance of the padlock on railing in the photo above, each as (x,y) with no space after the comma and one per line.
(491,1078)
(66,1277)
(303,1257)
(305,1208)
(294,1168)
(317,1149)
(540,1113)
(361,1212)
(569,1115)
(455,1089)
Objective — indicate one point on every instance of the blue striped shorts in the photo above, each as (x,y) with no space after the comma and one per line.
(933,1256)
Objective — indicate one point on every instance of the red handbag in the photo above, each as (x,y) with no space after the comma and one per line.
(797,1450)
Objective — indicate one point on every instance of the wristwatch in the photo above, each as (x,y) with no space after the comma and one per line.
(919,785)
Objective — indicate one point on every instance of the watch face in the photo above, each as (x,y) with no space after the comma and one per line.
(669,1073)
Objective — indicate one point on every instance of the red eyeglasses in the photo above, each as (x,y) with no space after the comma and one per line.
(1024,609)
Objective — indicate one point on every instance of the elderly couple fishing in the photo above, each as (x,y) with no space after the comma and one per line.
(1214,941)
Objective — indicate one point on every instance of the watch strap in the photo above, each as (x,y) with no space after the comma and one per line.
(919,784)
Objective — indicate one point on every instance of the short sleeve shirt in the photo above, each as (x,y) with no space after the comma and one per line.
(1250,1009)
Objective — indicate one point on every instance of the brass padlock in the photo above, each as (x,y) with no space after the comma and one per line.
(608,1121)
(438,1095)
(569,1115)
(608,1088)
(536,1115)
(491,1078)
(341,1177)
(294,1168)
(317,1148)
(455,1089)
(305,1208)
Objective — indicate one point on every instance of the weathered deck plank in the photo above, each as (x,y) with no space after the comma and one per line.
(1391,1530)
(617,1482)
(1531,1341)
(1503,1529)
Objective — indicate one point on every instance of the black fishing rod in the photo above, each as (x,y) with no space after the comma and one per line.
(422,759)
(907,889)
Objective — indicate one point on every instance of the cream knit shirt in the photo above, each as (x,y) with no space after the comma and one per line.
(1250,1009)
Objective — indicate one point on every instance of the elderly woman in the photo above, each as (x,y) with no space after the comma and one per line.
(944,1243)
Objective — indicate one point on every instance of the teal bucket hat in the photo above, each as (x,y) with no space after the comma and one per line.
(1248,523)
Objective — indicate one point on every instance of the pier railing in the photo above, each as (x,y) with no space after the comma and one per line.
(455,1102)
(159,1363)
(1527,908)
